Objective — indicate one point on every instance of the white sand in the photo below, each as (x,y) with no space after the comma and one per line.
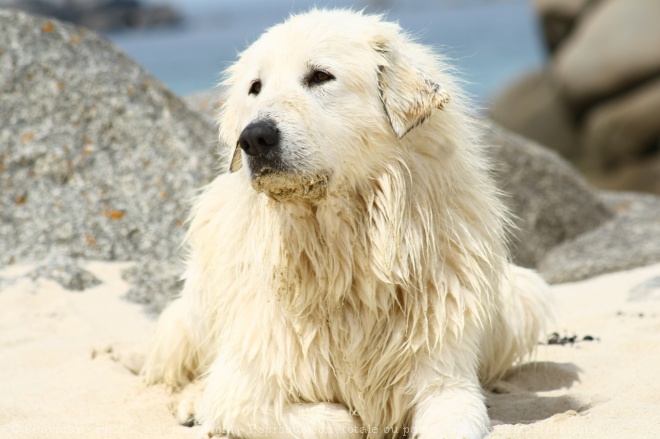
(51,387)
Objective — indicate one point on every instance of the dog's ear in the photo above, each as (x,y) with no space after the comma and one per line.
(408,94)
(236,160)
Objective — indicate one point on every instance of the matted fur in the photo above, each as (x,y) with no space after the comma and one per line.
(376,303)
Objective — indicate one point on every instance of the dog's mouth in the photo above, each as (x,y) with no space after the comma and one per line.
(290,187)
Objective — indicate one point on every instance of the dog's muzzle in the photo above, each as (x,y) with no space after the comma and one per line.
(260,141)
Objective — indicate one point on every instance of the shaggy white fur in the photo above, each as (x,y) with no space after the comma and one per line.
(352,280)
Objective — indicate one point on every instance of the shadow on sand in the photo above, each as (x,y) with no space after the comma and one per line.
(519,397)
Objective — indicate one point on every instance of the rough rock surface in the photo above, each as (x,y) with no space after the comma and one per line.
(207,103)
(566,229)
(551,202)
(97,159)
(66,272)
(631,239)
(155,282)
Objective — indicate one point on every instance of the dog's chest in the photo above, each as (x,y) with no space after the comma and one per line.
(348,327)
(349,356)
(327,345)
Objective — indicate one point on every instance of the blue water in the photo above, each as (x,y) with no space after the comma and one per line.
(491,42)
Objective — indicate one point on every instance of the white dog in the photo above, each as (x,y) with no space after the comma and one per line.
(349,277)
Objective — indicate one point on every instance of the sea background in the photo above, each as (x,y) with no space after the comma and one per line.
(491,42)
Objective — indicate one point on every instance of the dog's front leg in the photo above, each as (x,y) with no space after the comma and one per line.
(239,402)
(173,358)
(450,409)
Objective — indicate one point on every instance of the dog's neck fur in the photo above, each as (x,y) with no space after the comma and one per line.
(320,253)
(321,248)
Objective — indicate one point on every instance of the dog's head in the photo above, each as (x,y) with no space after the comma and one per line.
(325,98)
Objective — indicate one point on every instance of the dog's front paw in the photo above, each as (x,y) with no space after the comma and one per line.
(172,359)
(185,406)
(451,413)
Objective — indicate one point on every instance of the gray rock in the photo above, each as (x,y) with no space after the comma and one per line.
(597,100)
(630,239)
(559,18)
(615,47)
(551,202)
(206,102)
(567,230)
(97,159)
(640,175)
(533,107)
(66,272)
(623,128)
(155,284)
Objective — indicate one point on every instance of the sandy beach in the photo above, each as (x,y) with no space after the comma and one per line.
(68,363)
(57,379)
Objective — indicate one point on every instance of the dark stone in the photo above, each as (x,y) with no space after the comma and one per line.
(550,201)
(631,238)
(534,107)
(66,272)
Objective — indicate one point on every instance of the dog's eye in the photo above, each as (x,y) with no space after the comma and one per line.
(255,88)
(319,77)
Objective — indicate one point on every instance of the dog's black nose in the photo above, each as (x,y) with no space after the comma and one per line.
(259,137)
